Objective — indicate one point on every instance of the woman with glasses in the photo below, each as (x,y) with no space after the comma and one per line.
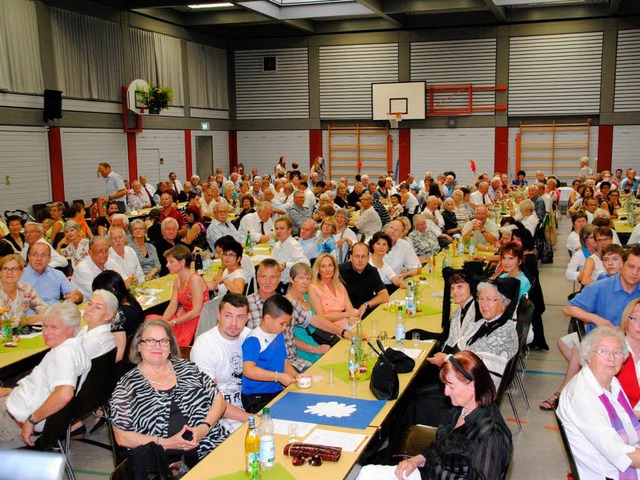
(593,266)
(232,277)
(16,296)
(611,203)
(190,293)
(599,420)
(166,401)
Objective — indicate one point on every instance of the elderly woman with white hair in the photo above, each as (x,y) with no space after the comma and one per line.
(601,426)
(73,246)
(527,215)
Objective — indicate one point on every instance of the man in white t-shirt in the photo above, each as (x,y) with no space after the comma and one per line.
(218,353)
(50,386)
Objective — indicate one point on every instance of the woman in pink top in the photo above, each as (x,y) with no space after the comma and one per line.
(328,294)
(190,293)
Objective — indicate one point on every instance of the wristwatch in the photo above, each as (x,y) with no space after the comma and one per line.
(31,420)
(366,304)
(342,333)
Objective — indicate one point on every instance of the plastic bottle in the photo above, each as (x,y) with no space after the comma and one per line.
(7,330)
(472,245)
(199,264)
(410,299)
(400,327)
(252,450)
(455,247)
(249,243)
(353,361)
(267,442)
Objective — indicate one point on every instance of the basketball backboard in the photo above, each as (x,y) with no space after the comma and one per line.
(407,98)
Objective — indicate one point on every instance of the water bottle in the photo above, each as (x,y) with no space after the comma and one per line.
(252,450)
(410,300)
(249,243)
(354,361)
(267,442)
(272,242)
(400,327)
(472,244)
(446,262)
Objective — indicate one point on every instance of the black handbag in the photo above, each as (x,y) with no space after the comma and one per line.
(384,382)
(323,338)
(400,360)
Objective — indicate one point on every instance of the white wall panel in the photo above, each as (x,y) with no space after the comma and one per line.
(440,149)
(454,63)
(555,74)
(627,93)
(171,151)
(221,150)
(626,145)
(82,150)
(563,174)
(24,158)
(346,75)
(273,94)
(262,149)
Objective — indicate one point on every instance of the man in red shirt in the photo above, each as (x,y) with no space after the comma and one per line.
(166,202)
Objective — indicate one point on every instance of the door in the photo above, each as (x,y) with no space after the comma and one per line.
(204,156)
(149,165)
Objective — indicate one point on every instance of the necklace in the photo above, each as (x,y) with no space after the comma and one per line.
(160,384)
(464,413)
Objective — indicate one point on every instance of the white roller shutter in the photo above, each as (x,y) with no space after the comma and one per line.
(221,151)
(24,161)
(555,74)
(166,146)
(262,149)
(627,97)
(626,148)
(346,75)
(454,63)
(283,93)
(437,150)
(82,150)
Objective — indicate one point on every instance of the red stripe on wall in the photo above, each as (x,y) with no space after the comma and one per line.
(233,150)
(605,147)
(501,150)
(404,153)
(132,156)
(188,153)
(315,145)
(55,164)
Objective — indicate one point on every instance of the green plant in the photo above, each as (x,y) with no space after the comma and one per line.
(154,98)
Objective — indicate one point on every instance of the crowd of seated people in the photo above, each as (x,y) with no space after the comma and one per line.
(325,234)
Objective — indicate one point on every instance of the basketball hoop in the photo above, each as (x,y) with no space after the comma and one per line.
(394,119)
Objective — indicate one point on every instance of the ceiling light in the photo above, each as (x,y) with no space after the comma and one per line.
(211,5)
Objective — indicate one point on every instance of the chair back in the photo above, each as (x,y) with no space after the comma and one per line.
(524,316)
(97,387)
(208,316)
(56,427)
(567,448)
(19,213)
(507,378)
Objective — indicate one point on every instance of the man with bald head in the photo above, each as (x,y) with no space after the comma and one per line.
(221,226)
(34,233)
(259,224)
(297,212)
(308,239)
(97,262)
(481,195)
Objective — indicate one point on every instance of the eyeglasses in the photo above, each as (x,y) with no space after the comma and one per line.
(487,299)
(634,318)
(10,269)
(152,342)
(102,251)
(606,353)
(229,254)
(603,239)
(313,460)
(40,255)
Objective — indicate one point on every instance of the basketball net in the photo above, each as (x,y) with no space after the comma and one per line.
(394,119)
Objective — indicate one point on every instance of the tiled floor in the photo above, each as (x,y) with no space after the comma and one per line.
(538,449)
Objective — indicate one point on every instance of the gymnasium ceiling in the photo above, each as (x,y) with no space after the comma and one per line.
(271,18)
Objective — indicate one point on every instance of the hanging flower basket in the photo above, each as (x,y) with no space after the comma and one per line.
(155,99)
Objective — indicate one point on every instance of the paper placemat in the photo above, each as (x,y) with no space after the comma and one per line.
(422,309)
(341,370)
(278,472)
(327,410)
(25,344)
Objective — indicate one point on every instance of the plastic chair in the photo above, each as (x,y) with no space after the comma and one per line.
(524,317)
(413,440)
(567,448)
(505,384)
(122,471)
(19,213)
(208,316)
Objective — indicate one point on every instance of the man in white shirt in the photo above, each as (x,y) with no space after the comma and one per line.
(147,187)
(177,186)
(288,250)
(258,223)
(481,195)
(221,226)
(308,239)
(402,257)
(288,192)
(138,198)
(435,222)
(483,230)
(97,261)
(309,197)
(208,203)
(218,353)
(369,221)
(34,232)
(128,263)
(50,386)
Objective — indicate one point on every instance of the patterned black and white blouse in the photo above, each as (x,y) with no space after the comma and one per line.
(138,407)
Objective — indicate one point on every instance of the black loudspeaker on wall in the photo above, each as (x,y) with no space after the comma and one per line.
(52,105)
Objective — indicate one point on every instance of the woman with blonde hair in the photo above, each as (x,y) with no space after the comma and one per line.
(324,238)
(328,295)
